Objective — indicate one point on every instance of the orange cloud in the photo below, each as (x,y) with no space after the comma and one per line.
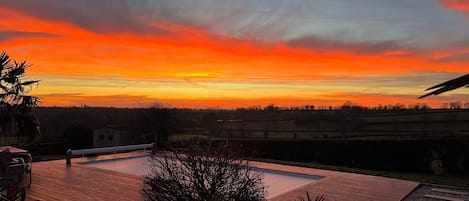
(192,55)
(324,100)
(461,5)
(144,101)
(189,51)
(98,101)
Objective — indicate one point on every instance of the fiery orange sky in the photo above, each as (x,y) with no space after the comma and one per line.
(220,53)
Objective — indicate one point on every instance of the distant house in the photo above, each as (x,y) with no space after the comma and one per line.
(113,135)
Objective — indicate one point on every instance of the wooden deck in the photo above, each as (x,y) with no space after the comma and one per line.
(342,186)
(53,180)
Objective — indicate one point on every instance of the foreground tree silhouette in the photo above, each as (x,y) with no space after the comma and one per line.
(204,172)
(16,114)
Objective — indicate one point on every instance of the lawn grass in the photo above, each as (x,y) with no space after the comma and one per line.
(13,140)
(458,180)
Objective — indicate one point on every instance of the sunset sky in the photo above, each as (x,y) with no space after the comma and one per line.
(233,53)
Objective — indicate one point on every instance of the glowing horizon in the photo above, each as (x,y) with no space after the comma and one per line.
(220,54)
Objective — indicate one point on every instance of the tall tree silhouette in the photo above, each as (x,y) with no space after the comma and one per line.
(16,106)
(456,83)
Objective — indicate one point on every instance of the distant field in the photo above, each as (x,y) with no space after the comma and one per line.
(183,137)
(344,125)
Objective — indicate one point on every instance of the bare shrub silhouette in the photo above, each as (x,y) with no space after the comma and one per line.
(202,172)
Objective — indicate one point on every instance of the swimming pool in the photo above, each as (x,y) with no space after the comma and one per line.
(277,182)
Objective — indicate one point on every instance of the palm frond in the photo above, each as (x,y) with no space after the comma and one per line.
(320,198)
(30,82)
(4,60)
(12,84)
(309,198)
(450,85)
(17,71)
(4,88)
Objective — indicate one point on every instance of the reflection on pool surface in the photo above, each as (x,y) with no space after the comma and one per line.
(277,182)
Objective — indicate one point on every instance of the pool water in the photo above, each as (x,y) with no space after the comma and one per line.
(277,182)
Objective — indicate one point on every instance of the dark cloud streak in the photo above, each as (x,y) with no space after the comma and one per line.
(366,47)
(317,26)
(103,16)
(456,57)
(10,34)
